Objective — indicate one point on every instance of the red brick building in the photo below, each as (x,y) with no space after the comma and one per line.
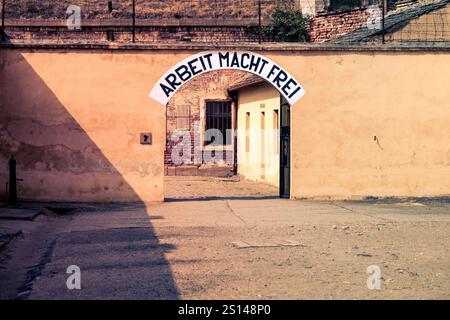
(193,109)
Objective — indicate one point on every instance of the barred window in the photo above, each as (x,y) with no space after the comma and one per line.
(218,116)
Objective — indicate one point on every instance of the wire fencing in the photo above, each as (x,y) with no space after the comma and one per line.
(145,9)
(394,21)
(429,27)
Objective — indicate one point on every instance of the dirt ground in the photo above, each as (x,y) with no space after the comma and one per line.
(227,244)
(210,188)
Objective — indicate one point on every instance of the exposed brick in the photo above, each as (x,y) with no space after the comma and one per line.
(330,26)
(211,85)
(186,171)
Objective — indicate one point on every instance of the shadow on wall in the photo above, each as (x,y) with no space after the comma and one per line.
(58,161)
(55,156)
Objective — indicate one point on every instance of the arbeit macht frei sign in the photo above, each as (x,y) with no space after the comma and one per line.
(200,63)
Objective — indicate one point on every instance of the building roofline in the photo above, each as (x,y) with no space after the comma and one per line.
(247,83)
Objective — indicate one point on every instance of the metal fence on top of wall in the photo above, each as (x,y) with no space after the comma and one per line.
(401,21)
(144,9)
(409,22)
(151,19)
(427,24)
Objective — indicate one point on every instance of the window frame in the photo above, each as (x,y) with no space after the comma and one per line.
(229,115)
(185,117)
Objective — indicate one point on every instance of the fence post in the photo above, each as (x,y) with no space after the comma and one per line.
(134,21)
(259,22)
(3,21)
(383,31)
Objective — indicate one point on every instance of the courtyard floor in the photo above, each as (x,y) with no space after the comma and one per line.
(220,244)
(210,188)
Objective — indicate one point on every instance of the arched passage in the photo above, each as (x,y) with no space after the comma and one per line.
(257,113)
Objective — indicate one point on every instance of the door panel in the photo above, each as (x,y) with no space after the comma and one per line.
(285,149)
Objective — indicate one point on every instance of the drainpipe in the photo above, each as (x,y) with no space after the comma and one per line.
(12,184)
(12,194)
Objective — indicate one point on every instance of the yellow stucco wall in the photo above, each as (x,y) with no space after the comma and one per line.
(261,162)
(73,120)
(401,98)
(82,111)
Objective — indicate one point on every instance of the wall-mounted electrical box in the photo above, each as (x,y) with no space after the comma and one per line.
(146,138)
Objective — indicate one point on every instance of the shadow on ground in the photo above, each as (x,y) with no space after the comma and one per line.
(122,263)
(52,149)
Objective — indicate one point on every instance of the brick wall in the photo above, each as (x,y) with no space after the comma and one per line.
(330,26)
(211,85)
(123,33)
(324,27)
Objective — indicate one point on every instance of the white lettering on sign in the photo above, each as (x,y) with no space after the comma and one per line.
(203,62)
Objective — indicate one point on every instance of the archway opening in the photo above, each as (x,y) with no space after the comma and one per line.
(227,115)
(227,137)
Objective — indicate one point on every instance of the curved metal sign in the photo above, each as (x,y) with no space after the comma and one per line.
(200,63)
